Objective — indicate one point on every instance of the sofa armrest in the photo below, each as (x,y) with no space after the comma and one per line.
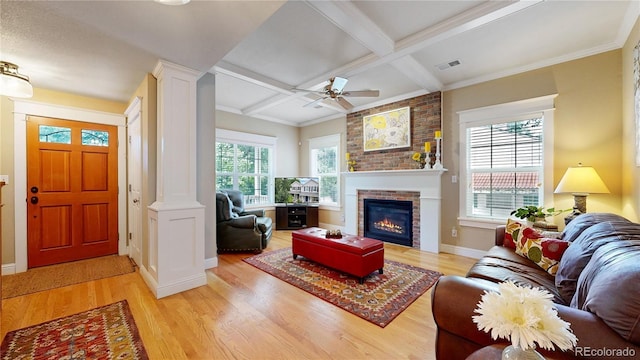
(453,301)
(244,222)
(500,234)
(592,333)
(256,212)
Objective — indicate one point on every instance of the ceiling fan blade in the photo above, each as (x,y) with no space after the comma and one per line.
(314,102)
(332,104)
(344,103)
(338,84)
(362,93)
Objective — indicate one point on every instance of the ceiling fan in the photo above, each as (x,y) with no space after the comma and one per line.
(333,95)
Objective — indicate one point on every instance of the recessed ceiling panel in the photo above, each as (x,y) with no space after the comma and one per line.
(399,19)
(234,93)
(548,31)
(294,45)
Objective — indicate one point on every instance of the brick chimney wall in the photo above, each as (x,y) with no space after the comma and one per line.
(425,120)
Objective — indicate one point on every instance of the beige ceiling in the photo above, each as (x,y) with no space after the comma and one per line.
(261,50)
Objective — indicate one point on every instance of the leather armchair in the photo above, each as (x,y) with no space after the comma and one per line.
(240,230)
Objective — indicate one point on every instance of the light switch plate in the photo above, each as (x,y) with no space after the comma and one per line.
(5,179)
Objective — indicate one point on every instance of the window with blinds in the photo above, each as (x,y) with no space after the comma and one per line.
(323,161)
(505,163)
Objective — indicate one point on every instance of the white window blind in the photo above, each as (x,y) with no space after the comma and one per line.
(506,159)
(505,167)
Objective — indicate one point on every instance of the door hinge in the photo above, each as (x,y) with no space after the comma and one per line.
(129,238)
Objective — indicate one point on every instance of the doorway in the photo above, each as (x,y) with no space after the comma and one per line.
(25,108)
(72,181)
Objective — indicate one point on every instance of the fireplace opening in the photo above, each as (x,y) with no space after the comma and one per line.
(389,220)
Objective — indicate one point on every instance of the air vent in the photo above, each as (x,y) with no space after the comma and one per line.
(447,65)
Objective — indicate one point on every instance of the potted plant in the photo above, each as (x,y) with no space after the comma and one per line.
(535,213)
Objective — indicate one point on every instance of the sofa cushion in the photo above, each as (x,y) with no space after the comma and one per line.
(582,248)
(544,252)
(511,232)
(514,228)
(608,287)
(503,264)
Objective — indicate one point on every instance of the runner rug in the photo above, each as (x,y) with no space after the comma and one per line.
(60,275)
(379,300)
(107,332)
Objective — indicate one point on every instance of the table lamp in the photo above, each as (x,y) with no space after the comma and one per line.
(580,181)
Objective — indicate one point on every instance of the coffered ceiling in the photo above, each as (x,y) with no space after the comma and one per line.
(260,51)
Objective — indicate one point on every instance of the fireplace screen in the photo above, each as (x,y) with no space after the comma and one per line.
(389,220)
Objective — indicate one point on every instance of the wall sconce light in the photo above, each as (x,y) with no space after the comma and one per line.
(12,83)
(580,181)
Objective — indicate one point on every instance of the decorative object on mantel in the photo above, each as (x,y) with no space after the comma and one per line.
(387,130)
(438,165)
(527,317)
(350,163)
(423,158)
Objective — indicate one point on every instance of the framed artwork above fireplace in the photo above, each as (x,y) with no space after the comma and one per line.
(387,130)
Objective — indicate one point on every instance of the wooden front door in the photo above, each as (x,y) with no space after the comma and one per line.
(72,190)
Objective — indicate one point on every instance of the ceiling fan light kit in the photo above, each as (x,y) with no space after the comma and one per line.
(333,95)
(12,83)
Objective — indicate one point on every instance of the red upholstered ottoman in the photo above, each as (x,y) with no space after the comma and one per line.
(354,255)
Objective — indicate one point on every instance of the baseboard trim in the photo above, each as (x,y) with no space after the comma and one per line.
(210,263)
(8,269)
(183,284)
(462,251)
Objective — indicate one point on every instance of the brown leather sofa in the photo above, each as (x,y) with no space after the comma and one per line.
(596,289)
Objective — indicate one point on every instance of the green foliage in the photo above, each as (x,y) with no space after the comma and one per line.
(532,212)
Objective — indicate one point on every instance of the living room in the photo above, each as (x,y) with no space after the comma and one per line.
(594,123)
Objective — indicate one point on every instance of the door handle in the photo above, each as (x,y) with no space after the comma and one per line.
(34,189)
(135,201)
(34,200)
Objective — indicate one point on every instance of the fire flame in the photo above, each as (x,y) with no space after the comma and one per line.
(387,225)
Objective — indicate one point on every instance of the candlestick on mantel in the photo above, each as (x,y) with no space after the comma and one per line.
(438,165)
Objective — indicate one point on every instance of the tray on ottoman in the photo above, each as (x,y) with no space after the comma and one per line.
(355,255)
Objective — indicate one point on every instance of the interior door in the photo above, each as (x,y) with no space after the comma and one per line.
(72,187)
(135,186)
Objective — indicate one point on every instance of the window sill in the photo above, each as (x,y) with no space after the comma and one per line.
(331,207)
(481,223)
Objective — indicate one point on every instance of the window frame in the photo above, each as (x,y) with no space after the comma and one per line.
(503,113)
(323,142)
(264,141)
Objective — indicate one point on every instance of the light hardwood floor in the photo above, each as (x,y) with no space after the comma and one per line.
(244,313)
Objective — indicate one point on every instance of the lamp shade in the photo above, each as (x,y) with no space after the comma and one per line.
(581,180)
(12,83)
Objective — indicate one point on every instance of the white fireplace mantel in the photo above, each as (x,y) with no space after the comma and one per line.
(425,181)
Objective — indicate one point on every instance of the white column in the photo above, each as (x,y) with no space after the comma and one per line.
(176,219)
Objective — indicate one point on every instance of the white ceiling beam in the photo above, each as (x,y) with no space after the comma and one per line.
(413,70)
(471,19)
(346,16)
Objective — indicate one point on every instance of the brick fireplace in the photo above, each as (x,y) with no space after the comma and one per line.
(412,197)
(424,185)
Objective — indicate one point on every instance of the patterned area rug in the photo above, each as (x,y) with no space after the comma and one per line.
(107,332)
(380,299)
